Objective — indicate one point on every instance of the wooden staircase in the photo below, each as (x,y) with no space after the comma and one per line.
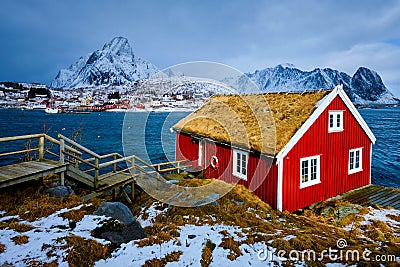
(101,173)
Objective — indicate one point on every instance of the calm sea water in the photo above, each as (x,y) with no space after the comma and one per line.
(149,134)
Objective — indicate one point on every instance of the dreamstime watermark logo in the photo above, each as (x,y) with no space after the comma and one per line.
(150,135)
(340,253)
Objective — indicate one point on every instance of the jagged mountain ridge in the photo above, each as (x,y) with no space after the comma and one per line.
(114,64)
(365,87)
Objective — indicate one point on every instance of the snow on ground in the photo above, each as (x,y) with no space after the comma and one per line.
(6,218)
(191,241)
(46,232)
(131,254)
(382,215)
(151,214)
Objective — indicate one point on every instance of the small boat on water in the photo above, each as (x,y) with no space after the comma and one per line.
(52,110)
(39,106)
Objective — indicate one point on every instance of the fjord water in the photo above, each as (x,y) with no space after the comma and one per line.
(385,124)
(102,133)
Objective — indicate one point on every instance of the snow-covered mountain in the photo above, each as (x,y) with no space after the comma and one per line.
(114,64)
(365,87)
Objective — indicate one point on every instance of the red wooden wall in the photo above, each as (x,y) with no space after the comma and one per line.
(186,148)
(334,150)
(262,172)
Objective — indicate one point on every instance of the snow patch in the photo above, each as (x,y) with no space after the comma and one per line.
(45,234)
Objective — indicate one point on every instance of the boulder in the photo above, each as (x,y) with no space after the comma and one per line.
(124,235)
(116,210)
(59,191)
(123,228)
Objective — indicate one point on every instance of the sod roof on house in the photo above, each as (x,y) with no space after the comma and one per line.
(253,121)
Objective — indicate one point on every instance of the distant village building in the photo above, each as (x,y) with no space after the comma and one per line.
(323,145)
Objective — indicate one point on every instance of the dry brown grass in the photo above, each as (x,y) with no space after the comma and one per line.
(173,256)
(250,120)
(158,239)
(38,263)
(15,225)
(394,217)
(170,257)
(381,226)
(258,220)
(84,252)
(77,215)
(2,248)
(30,204)
(206,253)
(233,246)
(20,239)
(281,244)
(165,226)
(312,230)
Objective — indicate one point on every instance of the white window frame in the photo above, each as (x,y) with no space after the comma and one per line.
(240,174)
(310,182)
(352,163)
(335,114)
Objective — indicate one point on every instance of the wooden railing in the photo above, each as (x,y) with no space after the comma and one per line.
(97,163)
(170,166)
(90,165)
(40,146)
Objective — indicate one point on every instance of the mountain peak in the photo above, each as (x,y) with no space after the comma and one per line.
(369,83)
(118,45)
(287,65)
(366,72)
(114,64)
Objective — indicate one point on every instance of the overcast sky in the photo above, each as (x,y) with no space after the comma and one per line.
(40,37)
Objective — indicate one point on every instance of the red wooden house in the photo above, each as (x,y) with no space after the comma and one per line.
(323,145)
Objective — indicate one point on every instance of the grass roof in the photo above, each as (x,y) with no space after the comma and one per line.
(259,122)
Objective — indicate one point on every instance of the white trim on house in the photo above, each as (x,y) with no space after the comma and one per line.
(242,173)
(370,165)
(321,107)
(200,154)
(309,182)
(352,164)
(336,114)
(279,190)
(356,114)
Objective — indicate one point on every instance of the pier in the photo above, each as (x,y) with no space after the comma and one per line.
(44,155)
(374,195)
